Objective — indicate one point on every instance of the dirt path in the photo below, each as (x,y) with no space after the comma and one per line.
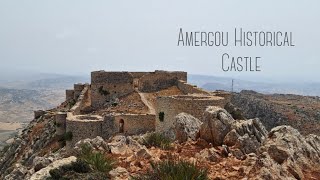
(146,102)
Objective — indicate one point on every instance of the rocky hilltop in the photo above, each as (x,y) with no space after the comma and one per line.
(227,148)
(156,126)
(300,112)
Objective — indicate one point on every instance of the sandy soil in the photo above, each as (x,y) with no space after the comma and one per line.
(10,126)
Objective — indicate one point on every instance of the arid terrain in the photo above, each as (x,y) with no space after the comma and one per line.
(18,100)
(301,112)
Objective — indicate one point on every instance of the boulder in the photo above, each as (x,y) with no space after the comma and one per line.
(118,173)
(246,136)
(216,124)
(40,162)
(19,172)
(96,143)
(186,126)
(288,154)
(235,112)
(143,153)
(44,172)
(124,145)
(208,154)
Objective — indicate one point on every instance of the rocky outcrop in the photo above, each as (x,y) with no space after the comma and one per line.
(253,105)
(186,126)
(44,173)
(41,162)
(97,144)
(216,124)
(287,154)
(19,172)
(208,154)
(241,136)
(235,112)
(122,145)
(119,173)
(26,147)
(245,137)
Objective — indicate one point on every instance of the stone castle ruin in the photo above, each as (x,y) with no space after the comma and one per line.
(131,103)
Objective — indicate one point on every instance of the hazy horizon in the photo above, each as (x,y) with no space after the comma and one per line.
(77,37)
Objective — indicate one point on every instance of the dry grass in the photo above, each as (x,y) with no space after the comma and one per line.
(37,129)
(51,147)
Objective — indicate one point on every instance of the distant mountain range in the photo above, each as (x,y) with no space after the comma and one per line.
(19,97)
(212,83)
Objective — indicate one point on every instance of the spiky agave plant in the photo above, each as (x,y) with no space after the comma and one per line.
(171,170)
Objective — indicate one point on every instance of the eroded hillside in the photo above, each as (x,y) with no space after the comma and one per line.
(301,112)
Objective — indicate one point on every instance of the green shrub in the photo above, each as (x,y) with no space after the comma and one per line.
(103,92)
(71,103)
(85,151)
(174,171)
(78,166)
(161,116)
(58,124)
(56,173)
(98,160)
(5,149)
(68,136)
(157,140)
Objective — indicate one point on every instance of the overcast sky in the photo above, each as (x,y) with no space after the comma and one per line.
(72,37)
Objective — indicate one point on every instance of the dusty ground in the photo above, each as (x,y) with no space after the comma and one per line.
(133,103)
(222,168)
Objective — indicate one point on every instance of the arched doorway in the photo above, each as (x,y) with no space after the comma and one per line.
(121,126)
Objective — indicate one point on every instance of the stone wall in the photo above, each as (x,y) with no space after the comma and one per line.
(190,89)
(191,104)
(109,126)
(80,104)
(138,74)
(69,94)
(82,127)
(106,86)
(136,123)
(159,80)
(60,123)
(132,124)
(77,90)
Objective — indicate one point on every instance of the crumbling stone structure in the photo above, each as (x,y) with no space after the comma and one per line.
(69,94)
(168,107)
(129,124)
(77,90)
(60,122)
(107,87)
(190,89)
(82,127)
(159,80)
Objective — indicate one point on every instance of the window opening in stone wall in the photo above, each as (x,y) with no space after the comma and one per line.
(161,116)
(121,126)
